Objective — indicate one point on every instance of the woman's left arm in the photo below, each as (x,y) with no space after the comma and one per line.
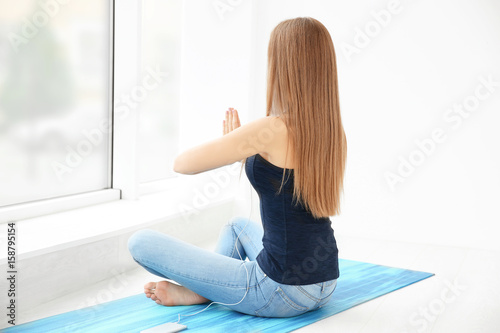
(237,143)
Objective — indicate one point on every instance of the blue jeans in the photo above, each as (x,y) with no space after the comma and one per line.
(221,276)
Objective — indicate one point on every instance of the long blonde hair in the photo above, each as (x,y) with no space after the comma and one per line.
(302,89)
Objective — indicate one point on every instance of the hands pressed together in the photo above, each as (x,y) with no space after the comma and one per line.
(231,122)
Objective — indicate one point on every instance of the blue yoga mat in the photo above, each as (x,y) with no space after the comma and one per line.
(359,282)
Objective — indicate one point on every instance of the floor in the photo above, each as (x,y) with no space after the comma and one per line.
(463,296)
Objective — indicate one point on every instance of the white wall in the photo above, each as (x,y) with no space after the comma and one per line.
(216,74)
(216,50)
(396,89)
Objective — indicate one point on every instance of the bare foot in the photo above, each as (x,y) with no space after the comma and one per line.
(169,294)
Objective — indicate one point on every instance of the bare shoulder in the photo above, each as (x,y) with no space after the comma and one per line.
(265,132)
(275,134)
(270,131)
(276,124)
(269,124)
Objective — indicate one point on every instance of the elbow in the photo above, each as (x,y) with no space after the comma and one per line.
(180,166)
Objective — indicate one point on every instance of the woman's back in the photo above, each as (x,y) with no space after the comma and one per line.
(299,249)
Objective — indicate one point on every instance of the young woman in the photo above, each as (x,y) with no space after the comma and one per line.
(295,160)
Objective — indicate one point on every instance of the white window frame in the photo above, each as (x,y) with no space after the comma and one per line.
(36,208)
(127,44)
(123,174)
(126,126)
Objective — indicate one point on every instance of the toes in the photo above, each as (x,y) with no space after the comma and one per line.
(149,285)
(148,293)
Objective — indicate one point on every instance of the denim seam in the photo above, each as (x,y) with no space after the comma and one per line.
(329,283)
(259,287)
(311,297)
(267,304)
(280,293)
(252,244)
(234,226)
(327,296)
(330,294)
(233,241)
(290,302)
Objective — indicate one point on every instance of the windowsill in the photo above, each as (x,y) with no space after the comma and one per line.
(55,232)
(38,208)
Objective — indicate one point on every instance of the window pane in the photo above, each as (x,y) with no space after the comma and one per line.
(160,51)
(54,98)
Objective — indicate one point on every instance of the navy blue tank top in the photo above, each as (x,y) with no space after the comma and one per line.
(298,248)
